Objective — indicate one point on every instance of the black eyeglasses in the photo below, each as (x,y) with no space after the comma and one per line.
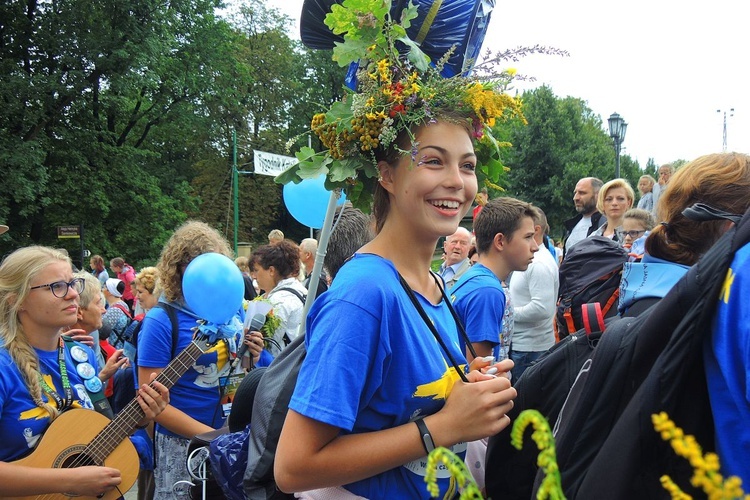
(60,288)
(633,234)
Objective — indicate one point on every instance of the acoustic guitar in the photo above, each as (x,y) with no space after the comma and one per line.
(81,437)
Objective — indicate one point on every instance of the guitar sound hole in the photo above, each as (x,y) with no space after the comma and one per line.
(78,460)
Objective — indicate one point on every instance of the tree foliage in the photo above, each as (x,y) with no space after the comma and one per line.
(563,142)
(119,116)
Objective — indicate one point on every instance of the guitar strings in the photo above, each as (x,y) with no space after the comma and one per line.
(132,412)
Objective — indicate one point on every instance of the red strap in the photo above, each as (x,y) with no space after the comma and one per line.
(592,313)
(123,309)
(569,321)
(612,299)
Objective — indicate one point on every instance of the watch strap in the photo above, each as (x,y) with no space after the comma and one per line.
(427,442)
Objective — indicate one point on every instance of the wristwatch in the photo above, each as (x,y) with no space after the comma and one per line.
(424,433)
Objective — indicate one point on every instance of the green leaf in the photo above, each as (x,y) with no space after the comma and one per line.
(339,112)
(342,170)
(409,13)
(345,53)
(288,175)
(305,153)
(315,166)
(418,58)
(494,169)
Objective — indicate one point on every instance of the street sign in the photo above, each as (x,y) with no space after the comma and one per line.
(70,232)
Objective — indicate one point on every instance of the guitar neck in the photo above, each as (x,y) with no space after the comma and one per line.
(126,421)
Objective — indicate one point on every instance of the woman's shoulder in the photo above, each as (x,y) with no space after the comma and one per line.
(367,265)
(366,279)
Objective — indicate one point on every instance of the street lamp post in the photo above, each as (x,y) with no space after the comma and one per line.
(724,137)
(617,129)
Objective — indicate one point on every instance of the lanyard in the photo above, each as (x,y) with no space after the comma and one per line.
(62,404)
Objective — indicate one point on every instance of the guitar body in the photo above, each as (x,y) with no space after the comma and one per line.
(62,443)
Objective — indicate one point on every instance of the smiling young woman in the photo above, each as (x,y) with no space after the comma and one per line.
(385,380)
(367,342)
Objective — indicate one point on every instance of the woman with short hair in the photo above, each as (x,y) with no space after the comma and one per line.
(615,198)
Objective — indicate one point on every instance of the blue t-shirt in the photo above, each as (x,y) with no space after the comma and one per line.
(196,393)
(373,364)
(727,362)
(479,300)
(22,422)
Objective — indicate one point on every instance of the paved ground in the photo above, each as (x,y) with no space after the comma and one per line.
(132,494)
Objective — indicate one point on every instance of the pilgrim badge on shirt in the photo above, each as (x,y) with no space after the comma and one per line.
(79,354)
(86,370)
(93,384)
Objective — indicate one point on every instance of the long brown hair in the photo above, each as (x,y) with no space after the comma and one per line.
(721,180)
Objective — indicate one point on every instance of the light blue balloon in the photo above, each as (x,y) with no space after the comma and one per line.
(308,201)
(213,287)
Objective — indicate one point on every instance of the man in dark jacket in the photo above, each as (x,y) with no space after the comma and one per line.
(589,219)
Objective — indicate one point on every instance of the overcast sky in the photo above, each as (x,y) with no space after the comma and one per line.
(663,65)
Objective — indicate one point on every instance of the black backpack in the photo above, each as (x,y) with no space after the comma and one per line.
(543,386)
(270,407)
(590,273)
(606,444)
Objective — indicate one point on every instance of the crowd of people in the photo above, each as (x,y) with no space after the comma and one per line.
(375,333)
(399,359)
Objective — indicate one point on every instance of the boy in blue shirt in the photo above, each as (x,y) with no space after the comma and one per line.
(505,243)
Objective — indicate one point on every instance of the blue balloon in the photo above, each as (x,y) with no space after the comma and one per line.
(213,287)
(308,201)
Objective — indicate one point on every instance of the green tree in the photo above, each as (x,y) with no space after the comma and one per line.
(87,88)
(563,142)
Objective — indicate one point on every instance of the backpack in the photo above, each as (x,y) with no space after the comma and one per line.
(543,386)
(590,273)
(606,444)
(269,412)
(241,456)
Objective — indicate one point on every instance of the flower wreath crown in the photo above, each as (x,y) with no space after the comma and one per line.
(397,89)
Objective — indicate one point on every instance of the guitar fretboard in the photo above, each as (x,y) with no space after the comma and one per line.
(126,421)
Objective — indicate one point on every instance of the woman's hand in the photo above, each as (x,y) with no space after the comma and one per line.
(474,410)
(254,342)
(92,481)
(485,365)
(152,400)
(114,363)
(81,336)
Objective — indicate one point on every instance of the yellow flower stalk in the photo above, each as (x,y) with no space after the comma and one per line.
(706,466)
(458,470)
(551,486)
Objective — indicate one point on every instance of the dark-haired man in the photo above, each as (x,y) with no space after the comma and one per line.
(589,219)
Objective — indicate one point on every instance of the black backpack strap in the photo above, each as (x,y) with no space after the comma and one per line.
(431,326)
(439,280)
(302,297)
(172,313)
